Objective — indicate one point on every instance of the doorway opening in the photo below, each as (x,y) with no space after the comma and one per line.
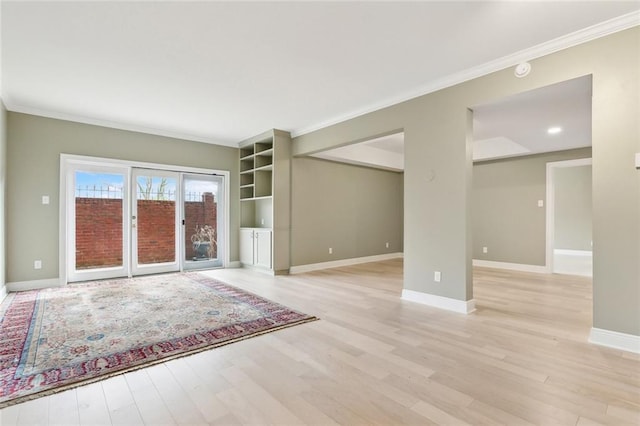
(514,141)
(568,233)
(519,143)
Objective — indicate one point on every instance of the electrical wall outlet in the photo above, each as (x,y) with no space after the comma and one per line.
(540,203)
(37,264)
(437,276)
(386,244)
(330,250)
(485,249)
(45,199)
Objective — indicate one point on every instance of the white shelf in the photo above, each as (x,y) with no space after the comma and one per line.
(266,197)
(268,167)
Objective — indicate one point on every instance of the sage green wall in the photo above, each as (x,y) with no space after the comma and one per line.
(33,151)
(506,217)
(354,210)
(572,208)
(437,181)
(3,176)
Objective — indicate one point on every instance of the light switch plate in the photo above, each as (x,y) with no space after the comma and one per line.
(45,199)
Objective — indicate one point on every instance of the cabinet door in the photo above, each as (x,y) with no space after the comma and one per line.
(262,243)
(246,246)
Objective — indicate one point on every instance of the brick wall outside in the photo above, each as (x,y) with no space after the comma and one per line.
(156,231)
(98,233)
(99,230)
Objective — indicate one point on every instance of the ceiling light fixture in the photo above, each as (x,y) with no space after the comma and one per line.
(554,130)
(522,70)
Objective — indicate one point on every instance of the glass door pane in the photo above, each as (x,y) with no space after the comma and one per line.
(154,224)
(98,233)
(203,221)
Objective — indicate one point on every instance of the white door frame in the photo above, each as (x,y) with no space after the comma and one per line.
(155,268)
(69,238)
(550,227)
(68,161)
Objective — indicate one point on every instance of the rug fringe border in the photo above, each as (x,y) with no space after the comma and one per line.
(92,380)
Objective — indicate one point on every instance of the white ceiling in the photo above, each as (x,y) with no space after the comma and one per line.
(223,71)
(518,125)
(386,152)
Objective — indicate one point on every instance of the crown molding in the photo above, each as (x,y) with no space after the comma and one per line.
(10,106)
(593,32)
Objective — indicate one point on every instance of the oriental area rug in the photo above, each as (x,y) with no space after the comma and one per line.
(55,339)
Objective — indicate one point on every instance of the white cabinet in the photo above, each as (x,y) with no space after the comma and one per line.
(262,245)
(255,247)
(246,246)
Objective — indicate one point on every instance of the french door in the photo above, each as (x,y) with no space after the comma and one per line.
(125,221)
(203,221)
(97,222)
(155,221)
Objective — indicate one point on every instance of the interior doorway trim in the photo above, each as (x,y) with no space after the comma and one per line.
(550,222)
(69,160)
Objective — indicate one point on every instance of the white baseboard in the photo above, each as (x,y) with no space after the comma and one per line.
(573,252)
(3,293)
(455,305)
(344,262)
(614,339)
(511,266)
(33,285)
(234,264)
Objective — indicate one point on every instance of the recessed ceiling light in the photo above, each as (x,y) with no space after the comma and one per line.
(554,130)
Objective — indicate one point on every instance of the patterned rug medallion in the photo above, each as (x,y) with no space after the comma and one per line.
(54,339)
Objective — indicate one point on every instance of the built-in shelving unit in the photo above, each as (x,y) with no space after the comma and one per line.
(265,178)
(256,170)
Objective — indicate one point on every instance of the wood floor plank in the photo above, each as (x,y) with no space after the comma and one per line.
(63,409)
(9,415)
(151,407)
(34,412)
(200,393)
(182,409)
(120,401)
(92,405)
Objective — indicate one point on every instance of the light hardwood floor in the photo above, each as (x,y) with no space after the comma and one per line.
(521,358)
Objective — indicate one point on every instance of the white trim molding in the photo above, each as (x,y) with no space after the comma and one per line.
(343,262)
(130,127)
(34,284)
(539,269)
(441,302)
(614,339)
(569,252)
(3,293)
